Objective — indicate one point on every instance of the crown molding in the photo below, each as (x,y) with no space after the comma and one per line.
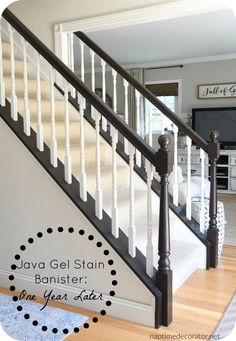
(143,15)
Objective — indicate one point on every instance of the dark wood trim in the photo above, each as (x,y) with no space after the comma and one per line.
(119,245)
(212,232)
(91,97)
(164,273)
(145,92)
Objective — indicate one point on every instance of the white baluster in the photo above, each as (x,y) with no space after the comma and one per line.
(92,54)
(82,69)
(202,215)
(189,196)
(14,113)
(67,160)
(72,61)
(115,228)
(2,84)
(103,64)
(162,118)
(137,153)
(82,60)
(26,113)
(114,77)
(53,149)
(82,177)
(132,228)
(40,145)
(126,89)
(149,109)
(98,192)
(149,247)
(175,168)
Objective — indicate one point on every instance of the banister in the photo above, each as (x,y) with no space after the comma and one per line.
(147,151)
(144,91)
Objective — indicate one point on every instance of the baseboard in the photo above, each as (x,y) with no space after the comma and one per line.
(121,308)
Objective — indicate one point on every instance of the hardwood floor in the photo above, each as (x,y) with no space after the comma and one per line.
(198,306)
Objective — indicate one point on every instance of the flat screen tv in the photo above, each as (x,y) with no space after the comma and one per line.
(204,120)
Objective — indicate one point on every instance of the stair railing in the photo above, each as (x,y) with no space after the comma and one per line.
(205,156)
(161,161)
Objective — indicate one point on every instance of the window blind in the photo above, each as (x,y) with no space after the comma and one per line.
(163,89)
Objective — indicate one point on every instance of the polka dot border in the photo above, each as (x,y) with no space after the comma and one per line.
(70,230)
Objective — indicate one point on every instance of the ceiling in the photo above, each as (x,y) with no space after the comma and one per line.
(211,34)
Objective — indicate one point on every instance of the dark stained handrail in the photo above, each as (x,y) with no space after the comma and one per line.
(200,142)
(147,151)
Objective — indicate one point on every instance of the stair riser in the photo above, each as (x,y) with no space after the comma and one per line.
(19,69)
(60,132)
(90,155)
(32,88)
(45,108)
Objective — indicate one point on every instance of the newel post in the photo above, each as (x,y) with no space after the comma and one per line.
(212,232)
(164,166)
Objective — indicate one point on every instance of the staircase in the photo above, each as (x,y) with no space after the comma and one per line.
(74,136)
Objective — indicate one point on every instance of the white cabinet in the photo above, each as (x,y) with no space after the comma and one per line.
(195,162)
(226,168)
(226,171)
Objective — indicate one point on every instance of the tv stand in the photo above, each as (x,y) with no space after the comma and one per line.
(226,171)
(226,168)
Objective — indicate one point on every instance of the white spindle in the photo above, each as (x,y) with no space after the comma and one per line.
(149,106)
(114,77)
(149,247)
(175,168)
(132,228)
(98,192)
(202,215)
(103,64)
(92,54)
(137,153)
(115,228)
(82,68)
(26,113)
(53,150)
(68,175)
(40,145)
(14,113)
(2,84)
(126,89)
(82,60)
(72,61)
(162,118)
(189,196)
(83,177)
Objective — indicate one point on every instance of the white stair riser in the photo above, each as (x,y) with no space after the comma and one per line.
(19,69)
(31,85)
(45,107)
(89,154)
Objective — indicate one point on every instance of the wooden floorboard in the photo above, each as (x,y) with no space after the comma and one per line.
(198,307)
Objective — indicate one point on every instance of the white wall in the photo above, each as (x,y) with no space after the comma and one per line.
(40,16)
(193,75)
(30,202)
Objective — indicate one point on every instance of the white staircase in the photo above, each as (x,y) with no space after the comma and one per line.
(111,189)
(187,253)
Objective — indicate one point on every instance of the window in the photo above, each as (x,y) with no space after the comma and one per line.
(168,94)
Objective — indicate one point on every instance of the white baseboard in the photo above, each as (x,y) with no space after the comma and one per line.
(121,308)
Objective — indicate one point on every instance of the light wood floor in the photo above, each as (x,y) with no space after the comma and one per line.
(198,306)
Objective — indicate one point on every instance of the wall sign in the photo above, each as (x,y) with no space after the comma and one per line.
(225,90)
